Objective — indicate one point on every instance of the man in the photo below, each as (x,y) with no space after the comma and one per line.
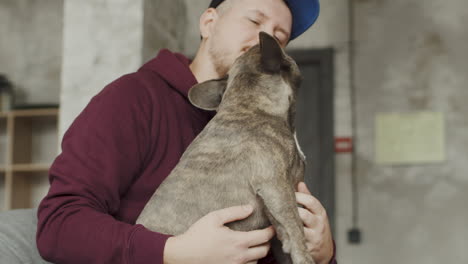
(131,135)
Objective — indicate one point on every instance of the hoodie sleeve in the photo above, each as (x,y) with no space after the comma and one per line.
(102,153)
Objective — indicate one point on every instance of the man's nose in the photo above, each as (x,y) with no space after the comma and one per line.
(268,29)
(256,40)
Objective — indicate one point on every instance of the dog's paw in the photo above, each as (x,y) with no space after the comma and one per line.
(286,246)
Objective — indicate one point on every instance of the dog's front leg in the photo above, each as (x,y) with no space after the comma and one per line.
(281,209)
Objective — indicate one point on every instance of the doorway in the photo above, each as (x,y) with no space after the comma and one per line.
(314,124)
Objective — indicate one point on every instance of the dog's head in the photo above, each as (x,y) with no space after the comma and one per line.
(265,77)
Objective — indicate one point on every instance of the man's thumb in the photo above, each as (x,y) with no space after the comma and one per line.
(302,187)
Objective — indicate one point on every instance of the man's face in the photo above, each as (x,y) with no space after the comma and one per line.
(236,30)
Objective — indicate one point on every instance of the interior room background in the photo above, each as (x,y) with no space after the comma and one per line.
(407,56)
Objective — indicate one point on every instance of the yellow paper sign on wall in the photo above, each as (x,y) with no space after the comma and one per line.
(405,138)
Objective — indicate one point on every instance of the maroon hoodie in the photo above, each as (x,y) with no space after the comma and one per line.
(114,155)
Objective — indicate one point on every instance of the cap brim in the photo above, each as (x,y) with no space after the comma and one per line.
(304,13)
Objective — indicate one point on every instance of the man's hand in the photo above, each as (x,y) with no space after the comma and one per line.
(209,241)
(316,226)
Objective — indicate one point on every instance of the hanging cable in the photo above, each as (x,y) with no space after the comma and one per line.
(352,85)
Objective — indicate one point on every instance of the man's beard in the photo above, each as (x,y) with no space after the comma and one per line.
(220,60)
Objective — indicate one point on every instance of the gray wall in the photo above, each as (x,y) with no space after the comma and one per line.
(104,39)
(164,26)
(31,48)
(411,56)
(31,33)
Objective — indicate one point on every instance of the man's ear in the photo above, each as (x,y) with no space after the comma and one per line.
(207,20)
(271,53)
(207,95)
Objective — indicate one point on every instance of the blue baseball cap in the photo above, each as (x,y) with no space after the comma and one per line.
(304,14)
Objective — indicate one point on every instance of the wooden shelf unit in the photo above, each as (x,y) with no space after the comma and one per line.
(19,131)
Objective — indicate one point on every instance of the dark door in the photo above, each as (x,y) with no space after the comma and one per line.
(314,124)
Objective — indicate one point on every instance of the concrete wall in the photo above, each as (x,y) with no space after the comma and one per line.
(31,48)
(104,39)
(411,56)
(165,25)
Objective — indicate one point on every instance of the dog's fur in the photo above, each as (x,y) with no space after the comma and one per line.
(247,154)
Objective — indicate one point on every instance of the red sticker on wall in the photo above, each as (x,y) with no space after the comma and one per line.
(343,145)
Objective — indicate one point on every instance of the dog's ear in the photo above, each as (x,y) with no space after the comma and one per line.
(207,95)
(271,53)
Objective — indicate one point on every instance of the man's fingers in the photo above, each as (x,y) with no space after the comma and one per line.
(312,239)
(302,187)
(231,214)
(310,202)
(258,237)
(258,252)
(304,197)
(309,219)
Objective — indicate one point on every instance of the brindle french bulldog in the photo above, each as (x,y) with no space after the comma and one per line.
(247,154)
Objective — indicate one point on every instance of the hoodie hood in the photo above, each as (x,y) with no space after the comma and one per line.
(174,69)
